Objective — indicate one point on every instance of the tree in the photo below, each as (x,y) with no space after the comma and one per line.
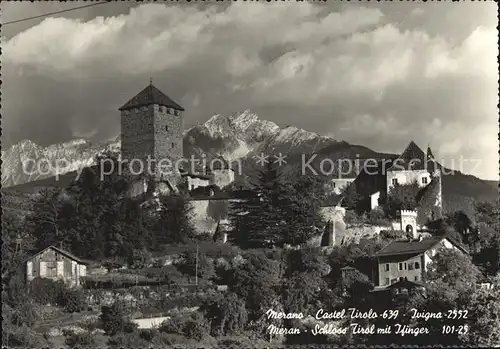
(283,211)
(350,197)
(227,314)
(194,262)
(302,203)
(301,293)
(45,220)
(258,220)
(401,197)
(484,329)
(174,223)
(256,281)
(453,269)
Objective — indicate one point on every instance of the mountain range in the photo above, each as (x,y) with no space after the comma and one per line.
(238,137)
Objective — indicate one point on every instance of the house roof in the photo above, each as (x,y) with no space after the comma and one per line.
(406,284)
(401,247)
(413,158)
(63,252)
(150,95)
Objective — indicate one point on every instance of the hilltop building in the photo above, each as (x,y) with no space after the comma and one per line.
(152,126)
(376,179)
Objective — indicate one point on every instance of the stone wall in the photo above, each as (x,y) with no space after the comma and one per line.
(168,129)
(200,218)
(153,131)
(137,135)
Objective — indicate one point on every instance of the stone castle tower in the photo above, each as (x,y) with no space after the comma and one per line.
(151,127)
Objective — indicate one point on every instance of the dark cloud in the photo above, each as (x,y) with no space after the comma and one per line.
(377,75)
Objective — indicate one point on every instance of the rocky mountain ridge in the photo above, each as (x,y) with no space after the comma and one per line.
(235,137)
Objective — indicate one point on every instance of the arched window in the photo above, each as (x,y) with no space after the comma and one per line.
(409,229)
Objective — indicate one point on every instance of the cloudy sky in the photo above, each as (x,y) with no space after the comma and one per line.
(372,74)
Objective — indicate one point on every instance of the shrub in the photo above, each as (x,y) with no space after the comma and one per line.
(23,337)
(166,339)
(127,340)
(148,334)
(113,320)
(192,326)
(71,300)
(81,340)
(378,217)
(46,291)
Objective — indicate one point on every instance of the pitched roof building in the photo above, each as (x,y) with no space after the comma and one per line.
(409,259)
(56,264)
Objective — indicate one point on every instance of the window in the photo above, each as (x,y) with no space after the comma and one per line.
(400,266)
(405,266)
(417,265)
(173,145)
(176,112)
(166,128)
(333,184)
(169,111)
(386,281)
(394,181)
(387,267)
(51,272)
(424,180)
(416,278)
(410,266)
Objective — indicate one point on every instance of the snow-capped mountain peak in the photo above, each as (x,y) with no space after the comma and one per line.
(236,136)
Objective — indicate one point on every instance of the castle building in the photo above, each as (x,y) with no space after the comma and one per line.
(151,133)
(374,183)
(410,166)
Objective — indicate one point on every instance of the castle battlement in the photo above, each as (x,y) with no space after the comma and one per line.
(411,213)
